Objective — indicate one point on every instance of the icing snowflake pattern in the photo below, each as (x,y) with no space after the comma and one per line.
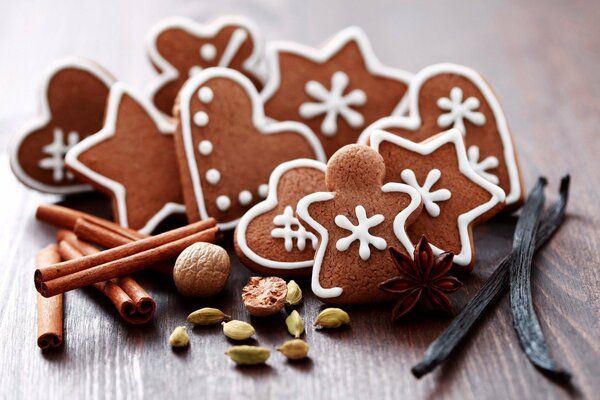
(360,232)
(333,103)
(429,198)
(288,221)
(481,167)
(458,111)
(56,152)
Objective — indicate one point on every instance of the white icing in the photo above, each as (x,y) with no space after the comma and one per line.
(333,103)
(458,111)
(269,204)
(56,152)
(205,147)
(205,94)
(213,176)
(360,232)
(201,119)
(263,190)
(194,70)
(223,203)
(414,121)
(429,198)
(482,166)
(164,127)
(262,124)
(288,221)
(208,52)
(238,37)
(454,137)
(245,197)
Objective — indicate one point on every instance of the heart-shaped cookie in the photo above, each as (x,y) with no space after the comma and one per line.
(180,47)
(269,238)
(227,148)
(445,96)
(73,98)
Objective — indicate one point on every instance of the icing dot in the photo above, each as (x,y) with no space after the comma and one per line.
(263,190)
(205,147)
(213,176)
(194,70)
(208,52)
(205,95)
(223,203)
(245,197)
(201,118)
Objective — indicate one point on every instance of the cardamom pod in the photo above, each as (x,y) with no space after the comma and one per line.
(295,349)
(237,330)
(332,318)
(179,337)
(207,316)
(294,294)
(248,355)
(294,323)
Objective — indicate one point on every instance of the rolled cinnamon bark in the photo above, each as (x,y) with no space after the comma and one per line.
(49,310)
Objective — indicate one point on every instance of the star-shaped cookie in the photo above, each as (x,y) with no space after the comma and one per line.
(132,159)
(337,90)
(454,196)
(180,47)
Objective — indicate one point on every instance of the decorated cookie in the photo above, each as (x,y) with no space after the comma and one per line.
(227,149)
(269,238)
(180,47)
(337,90)
(132,159)
(445,96)
(73,98)
(356,222)
(454,195)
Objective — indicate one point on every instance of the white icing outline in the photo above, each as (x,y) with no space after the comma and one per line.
(45,117)
(168,73)
(269,204)
(117,92)
(454,137)
(413,120)
(398,224)
(262,124)
(324,53)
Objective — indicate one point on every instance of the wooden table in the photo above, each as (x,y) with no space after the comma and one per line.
(541,58)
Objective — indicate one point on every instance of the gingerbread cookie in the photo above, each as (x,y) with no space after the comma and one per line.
(180,47)
(337,90)
(132,159)
(269,238)
(356,222)
(226,147)
(454,195)
(445,96)
(73,98)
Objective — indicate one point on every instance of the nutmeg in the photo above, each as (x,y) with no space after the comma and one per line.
(264,296)
(201,270)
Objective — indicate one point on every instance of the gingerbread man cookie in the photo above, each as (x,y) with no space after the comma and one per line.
(356,222)
(132,159)
(269,238)
(445,96)
(180,47)
(73,98)
(226,147)
(337,90)
(454,195)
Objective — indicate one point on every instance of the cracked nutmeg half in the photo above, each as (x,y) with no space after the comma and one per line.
(424,279)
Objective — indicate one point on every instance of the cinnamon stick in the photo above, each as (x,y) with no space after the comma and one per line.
(49,310)
(131,300)
(122,260)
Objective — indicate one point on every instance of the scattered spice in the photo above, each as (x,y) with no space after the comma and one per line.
(248,355)
(179,337)
(201,270)
(332,318)
(264,296)
(207,316)
(294,294)
(294,324)
(295,349)
(237,330)
(490,292)
(424,279)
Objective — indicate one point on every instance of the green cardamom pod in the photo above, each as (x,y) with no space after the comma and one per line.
(237,330)
(248,355)
(295,349)
(295,325)
(207,316)
(294,294)
(332,318)
(179,337)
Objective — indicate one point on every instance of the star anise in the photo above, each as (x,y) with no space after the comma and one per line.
(424,279)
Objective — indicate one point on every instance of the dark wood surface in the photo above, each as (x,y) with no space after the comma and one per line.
(542,59)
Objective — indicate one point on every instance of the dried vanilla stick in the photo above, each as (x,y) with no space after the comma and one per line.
(49,309)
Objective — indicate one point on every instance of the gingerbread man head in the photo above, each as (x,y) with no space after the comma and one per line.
(356,222)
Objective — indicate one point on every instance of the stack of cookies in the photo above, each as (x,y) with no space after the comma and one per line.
(321,164)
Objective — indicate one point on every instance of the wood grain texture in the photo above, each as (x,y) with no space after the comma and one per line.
(541,58)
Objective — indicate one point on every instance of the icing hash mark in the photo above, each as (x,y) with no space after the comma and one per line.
(56,152)
(429,198)
(458,111)
(360,232)
(289,221)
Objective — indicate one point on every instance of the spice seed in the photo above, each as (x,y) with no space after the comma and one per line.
(237,330)
(248,355)
(294,294)
(295,349)
(179,337)
(295,325)
(332,318)
(208,316)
